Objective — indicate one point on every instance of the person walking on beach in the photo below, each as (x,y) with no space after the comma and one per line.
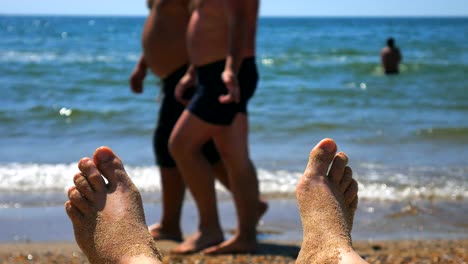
(391,57)
(109,221)
(165,54)
(221,44)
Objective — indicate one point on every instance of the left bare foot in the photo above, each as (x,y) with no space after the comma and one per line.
(108,219)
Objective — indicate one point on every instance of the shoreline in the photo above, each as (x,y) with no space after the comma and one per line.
(405,251)
(373,221)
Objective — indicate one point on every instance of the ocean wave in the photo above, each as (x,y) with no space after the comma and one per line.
(47,57)
(365,65)
(55,112)
(375,183)
(442,133)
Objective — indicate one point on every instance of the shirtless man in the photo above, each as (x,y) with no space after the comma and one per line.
(391,57)
(165,53)
(221,45)
(109,222)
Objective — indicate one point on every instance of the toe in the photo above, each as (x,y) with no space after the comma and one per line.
(83,186)
(92,174)
(320,158)
(78,201)
(73,213)
(338,167)
(353,205)
(110,166)
(351,192)
(346,180)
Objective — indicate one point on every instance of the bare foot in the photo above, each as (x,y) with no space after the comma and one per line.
(327,201)
(158,232)
(235,245)
(108,219)
(199,241)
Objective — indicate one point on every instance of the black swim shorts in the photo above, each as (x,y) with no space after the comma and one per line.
(205,103)
(169,113)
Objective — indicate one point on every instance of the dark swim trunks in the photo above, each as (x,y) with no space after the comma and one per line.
(169,113)
(205,103)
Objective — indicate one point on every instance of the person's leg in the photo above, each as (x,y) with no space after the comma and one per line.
(211,153)
(232,144)
(327,199)
(172,184)
(222,176)
(185,144)
(173,192)
(108,219)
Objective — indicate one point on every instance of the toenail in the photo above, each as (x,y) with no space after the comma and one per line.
(329,147)
(104,156)
(71,189)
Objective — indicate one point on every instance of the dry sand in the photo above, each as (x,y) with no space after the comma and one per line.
(436,251)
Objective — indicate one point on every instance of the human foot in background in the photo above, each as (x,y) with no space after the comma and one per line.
(158,232)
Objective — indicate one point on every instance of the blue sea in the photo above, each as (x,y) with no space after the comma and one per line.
(64,92)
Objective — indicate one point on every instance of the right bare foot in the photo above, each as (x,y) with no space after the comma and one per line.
(327,201)
(108,219)
(158,232)
(198,242)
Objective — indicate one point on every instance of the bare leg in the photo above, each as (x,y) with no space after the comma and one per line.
(327,203)
(232,144)
(221,175)
(187,138)
(173,191)
(108,219)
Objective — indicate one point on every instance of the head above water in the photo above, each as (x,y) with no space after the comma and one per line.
(391,42)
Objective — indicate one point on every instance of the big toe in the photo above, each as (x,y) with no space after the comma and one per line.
(110,166)
(320,158)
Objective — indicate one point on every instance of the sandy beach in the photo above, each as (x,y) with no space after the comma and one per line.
(407,251)
(45,235)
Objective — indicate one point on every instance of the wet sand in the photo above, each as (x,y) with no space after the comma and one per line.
(405,251)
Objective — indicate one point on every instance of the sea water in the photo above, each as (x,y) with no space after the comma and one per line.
(64,92)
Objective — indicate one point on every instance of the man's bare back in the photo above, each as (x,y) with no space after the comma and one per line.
(391,57)
(164,38)
(208,31)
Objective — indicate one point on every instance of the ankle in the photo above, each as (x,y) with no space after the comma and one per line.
(211,230)
(168,228)
(247,236)
(312,250)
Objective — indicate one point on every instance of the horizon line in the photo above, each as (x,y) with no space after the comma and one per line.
(261,16)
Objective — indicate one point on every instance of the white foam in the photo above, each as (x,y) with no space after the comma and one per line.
(48,56)
(43,178)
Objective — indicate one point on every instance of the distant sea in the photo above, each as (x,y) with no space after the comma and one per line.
(64,92)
